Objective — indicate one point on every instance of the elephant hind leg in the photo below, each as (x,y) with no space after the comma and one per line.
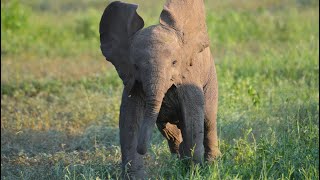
(210,123)
(173,135)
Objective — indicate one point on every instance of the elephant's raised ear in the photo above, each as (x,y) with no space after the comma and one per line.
(118,24)
(188,18)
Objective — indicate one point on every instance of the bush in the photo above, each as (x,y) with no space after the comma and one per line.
(14,20)
(87,25)
(14,16)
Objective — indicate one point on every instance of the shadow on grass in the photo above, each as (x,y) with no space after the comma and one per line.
(53,154)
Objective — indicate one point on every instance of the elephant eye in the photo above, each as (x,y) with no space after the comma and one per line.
(174,62)
(136,66)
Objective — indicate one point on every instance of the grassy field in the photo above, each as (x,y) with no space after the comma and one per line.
(60,99)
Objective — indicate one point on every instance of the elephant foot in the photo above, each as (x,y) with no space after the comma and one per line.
(136,175)
(213,155)
(133,172)
(173,134)
(194,155)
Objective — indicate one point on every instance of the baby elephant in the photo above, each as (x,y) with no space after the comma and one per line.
(169,79)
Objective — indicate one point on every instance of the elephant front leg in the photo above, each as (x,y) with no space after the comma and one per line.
(131,112)
(192,125)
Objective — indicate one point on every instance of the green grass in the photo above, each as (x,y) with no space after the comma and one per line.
(60,99)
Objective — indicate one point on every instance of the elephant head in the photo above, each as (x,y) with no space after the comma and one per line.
(155,57)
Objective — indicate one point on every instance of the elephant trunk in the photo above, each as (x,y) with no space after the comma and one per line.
(155,95)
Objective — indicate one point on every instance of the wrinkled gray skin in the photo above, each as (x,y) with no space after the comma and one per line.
(169,79)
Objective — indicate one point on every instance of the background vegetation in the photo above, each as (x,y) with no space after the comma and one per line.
(60,99)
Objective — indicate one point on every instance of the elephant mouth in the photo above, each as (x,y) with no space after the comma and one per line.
(170,95)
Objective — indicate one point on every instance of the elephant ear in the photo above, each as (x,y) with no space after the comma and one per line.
(118,25)
(188,18)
